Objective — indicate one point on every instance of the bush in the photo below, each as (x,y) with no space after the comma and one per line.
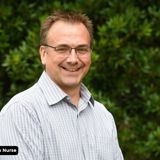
(125,74)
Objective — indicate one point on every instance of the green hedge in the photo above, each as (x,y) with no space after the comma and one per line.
(125,74)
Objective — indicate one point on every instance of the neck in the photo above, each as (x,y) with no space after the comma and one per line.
(74,94)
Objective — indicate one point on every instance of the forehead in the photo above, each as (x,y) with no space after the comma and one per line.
(68,31)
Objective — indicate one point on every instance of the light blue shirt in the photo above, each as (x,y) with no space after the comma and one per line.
(45,125)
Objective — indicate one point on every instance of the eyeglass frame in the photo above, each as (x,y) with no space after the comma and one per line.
(66,53)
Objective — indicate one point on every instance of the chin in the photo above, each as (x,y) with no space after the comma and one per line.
(72,84)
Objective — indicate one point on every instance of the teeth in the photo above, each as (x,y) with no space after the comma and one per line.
(71,69)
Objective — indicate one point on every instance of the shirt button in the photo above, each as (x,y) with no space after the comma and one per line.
(77,115)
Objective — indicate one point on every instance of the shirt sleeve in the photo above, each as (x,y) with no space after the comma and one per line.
(20,127)
(117,151)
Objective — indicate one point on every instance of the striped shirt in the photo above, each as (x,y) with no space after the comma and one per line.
(45,125)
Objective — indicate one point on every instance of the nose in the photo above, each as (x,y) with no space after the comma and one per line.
(73,57)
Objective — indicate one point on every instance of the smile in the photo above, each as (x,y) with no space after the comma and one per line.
(71,69)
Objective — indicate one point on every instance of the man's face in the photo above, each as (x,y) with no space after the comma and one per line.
(66,71)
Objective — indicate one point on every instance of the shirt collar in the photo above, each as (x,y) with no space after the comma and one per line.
(86,95)
(53,93)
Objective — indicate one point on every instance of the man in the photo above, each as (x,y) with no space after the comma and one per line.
(57,118)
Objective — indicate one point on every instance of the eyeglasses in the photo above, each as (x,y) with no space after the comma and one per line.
(65,50)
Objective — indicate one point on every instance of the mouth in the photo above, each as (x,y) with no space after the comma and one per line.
(71,69)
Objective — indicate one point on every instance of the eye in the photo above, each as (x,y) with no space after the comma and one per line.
(83,50)
(62,49)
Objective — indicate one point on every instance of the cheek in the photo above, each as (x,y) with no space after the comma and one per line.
(87,62)
(49,63)
(51,59)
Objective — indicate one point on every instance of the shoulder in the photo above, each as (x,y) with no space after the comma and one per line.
(102,111)
(99,106)
(21,102)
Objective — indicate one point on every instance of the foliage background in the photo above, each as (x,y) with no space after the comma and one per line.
(125,74)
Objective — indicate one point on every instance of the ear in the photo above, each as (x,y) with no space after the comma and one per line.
(42,52)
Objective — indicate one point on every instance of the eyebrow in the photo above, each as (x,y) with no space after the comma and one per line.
(80,45)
